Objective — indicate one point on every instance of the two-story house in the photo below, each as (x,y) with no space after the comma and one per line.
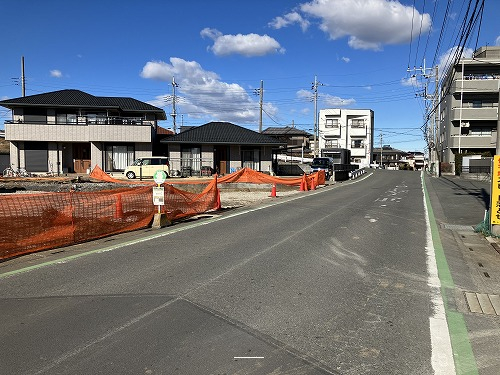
(469,108)
(351,129)
(72,131)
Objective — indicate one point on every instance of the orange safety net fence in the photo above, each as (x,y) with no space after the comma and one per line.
(244,175)
(41,221)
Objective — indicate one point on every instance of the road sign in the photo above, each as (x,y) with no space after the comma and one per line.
(158,195)
(160,176)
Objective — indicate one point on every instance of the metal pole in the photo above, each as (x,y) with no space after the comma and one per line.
(497,152)
(261,92)
(174,113)
(23,79)
(315,88)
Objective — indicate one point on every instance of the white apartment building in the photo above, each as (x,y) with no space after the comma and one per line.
(351,129)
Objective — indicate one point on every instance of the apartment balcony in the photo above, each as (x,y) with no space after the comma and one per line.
(475,85)
(358,131)
(330,131)
(358,152)
(471,114)
(472,141)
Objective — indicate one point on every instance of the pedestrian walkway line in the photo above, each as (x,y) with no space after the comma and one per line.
(442,280)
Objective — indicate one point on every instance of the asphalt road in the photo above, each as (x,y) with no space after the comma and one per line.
(333,281)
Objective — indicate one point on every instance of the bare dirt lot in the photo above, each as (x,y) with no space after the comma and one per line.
(232,195)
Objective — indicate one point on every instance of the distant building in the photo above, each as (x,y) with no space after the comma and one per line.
(293,137)
(351,129)
(469,106)
(388,157)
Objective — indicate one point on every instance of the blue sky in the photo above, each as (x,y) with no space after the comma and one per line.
(220,50)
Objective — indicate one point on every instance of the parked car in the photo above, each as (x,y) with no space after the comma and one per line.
(325,164)
(147,166)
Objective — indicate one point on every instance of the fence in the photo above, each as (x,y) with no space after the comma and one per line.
(41,221)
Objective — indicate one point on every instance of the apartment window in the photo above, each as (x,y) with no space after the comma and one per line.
(331,143)
(357,143)
(332,123)
(358,123)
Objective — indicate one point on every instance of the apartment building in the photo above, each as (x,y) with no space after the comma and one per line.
(469,107)
(351,129)
(72,131)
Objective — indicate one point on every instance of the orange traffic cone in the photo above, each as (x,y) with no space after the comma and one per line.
(273,191)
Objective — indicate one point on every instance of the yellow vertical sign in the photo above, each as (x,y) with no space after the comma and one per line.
(495,191)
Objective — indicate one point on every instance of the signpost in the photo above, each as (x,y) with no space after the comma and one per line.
(159,197)
(159,191)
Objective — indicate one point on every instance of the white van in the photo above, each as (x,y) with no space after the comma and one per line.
(147,166)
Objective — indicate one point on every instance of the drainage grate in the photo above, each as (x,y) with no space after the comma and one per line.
(482,303)
(457,227)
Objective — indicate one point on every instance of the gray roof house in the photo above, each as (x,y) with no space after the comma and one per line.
(222,147)
(72,131)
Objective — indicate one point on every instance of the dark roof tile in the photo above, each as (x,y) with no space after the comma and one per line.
(222,133)
(77,98)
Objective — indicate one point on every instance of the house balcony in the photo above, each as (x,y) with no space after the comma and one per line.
(475,85)
(107,130)
(474,114)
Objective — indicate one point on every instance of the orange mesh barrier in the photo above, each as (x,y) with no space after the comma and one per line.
(34,222)
(250,176)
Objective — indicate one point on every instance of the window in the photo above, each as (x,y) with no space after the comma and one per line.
(331,143)
(191,159)
(357,143)
(117,157)
(66,118)
(250,159)
(358,123)
(331,123)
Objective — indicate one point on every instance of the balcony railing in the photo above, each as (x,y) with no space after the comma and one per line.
(81,120)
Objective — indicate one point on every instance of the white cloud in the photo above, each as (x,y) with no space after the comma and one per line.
(368,24)
(410,81)
(56,73)
(346,59)
(335,101)
(203,95)
(497,41)
(289,19)
(446,59)
(248,45)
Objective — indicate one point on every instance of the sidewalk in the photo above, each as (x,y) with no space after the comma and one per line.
(459,205)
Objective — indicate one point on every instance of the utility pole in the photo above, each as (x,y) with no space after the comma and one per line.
(316,127)
(260,92)
(431,131)
(381,140)
(23,79)
(174,113)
